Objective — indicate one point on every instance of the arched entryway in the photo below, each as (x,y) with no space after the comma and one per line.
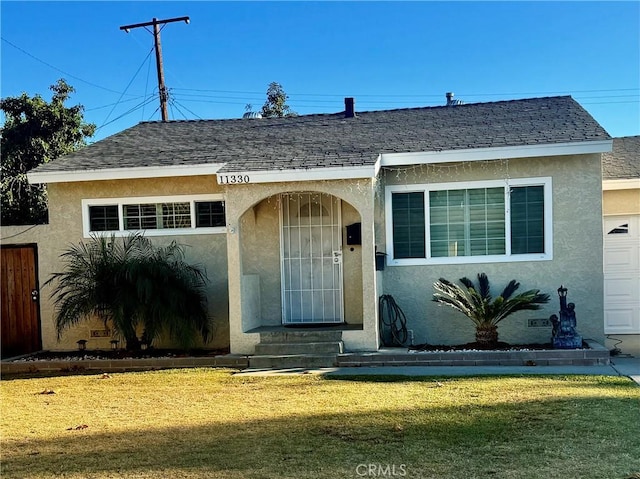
(296,260)
(290,263)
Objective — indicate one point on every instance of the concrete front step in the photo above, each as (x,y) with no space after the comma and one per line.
(300,336)
(292,361)
(279,349)
(596,355)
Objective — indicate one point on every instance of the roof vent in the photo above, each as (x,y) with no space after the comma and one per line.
(252,114)
(249,113)
(451,101)
(349,108)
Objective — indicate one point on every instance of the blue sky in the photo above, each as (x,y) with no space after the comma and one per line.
(385,54)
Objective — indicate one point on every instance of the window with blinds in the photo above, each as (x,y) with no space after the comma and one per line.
(490,220)
(527,220)
(467,222)
(408,225)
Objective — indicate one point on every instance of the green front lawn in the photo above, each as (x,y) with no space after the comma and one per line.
(210,424)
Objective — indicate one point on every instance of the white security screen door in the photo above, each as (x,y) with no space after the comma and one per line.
(311,259)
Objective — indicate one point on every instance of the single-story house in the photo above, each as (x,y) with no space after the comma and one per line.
(309,220)
(621,208)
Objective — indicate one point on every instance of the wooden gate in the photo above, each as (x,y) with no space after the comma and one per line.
(20,302)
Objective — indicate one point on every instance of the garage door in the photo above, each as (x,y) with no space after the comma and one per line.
(622,274)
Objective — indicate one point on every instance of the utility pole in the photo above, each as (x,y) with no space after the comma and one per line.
(162,89)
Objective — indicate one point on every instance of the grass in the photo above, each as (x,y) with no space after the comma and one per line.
(205,423)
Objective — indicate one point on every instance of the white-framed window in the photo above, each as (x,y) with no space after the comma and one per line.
(617,226)
(154,215)
(469,222)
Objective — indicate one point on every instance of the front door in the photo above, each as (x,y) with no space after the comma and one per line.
(19,298)
(311,259)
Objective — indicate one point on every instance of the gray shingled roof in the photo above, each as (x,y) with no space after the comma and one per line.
(329,140)
(623,162)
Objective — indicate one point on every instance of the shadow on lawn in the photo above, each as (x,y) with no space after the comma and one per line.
(527,439)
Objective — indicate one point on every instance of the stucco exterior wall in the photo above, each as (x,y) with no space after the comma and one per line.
(65,228)
(17,235)
(576,263)
(621,202)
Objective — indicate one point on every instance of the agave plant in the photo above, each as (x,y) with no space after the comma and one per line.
(480,307)
(131,284)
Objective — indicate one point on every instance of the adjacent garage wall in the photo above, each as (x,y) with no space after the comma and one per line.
(621,202)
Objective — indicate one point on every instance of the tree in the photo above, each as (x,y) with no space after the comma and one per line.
(484,311)
(276,104)
(35,132)
(132,285)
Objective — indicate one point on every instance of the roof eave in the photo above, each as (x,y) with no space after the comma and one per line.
(503,152)
(125,173)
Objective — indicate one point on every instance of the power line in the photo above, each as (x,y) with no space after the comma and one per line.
(128,85)
(608,102)
(176,104)
(296,103)
(556,92)
(413,95)
(239,102)
(156,111)
(145,102)
(316,101)
(56,68)
(146,85)
(173,104)
(111,104)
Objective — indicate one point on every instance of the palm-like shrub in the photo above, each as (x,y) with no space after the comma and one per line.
(479,306)
(131,284)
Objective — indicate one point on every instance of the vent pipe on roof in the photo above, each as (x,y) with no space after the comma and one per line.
(349,108)
(451,101)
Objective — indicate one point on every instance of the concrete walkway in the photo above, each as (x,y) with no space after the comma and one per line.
(629,367)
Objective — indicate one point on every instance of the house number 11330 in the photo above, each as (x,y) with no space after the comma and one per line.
(233,179)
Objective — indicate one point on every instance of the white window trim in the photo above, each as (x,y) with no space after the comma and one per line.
(503,258)
(120,202)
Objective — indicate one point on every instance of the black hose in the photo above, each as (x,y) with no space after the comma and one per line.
(393,322)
